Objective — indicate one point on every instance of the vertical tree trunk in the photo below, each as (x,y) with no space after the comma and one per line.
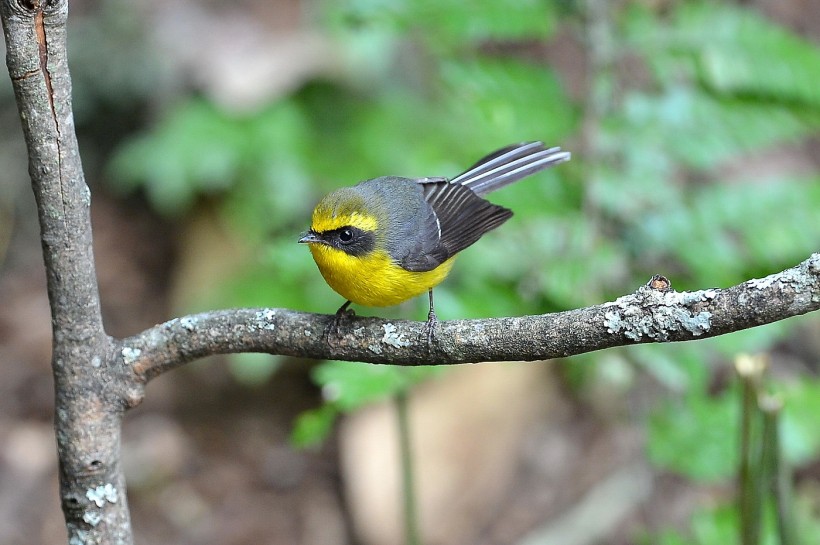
(88,371)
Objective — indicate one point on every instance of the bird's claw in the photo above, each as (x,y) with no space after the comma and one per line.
(335,327)
(430,329)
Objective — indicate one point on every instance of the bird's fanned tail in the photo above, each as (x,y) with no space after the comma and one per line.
(508,165)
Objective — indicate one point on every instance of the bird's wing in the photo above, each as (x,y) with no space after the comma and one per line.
(458,215)
(461,217)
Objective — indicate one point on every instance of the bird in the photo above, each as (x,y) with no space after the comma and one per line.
(386,240)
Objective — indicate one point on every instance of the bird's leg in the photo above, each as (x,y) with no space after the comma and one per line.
(341,315)
(431,315)
(432,320)
(343,309)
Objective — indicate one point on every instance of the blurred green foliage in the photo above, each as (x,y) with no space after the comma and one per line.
(694,91)
(718,526)
(696,436)
(347,386)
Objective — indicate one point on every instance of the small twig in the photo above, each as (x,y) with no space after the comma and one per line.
(751,489)
(777,470)
(412,534)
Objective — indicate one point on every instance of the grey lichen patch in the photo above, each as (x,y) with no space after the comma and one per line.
(814,264)
(689,298)
(656,314)
(799,281)
(375,348)
(54,213)
(797,277)
(92,517)
(393,339)
(78,537)
(264,319)
(155,337)
(103,493)
(130,354)
(763,283)
(188,323)
(613,322)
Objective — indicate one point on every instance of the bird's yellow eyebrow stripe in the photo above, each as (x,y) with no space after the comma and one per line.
(322,221)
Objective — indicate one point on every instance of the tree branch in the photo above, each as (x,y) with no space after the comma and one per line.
(654,313)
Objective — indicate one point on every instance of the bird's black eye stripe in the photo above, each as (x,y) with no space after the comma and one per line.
(351,240)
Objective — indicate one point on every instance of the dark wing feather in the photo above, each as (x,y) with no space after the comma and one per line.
(463,217)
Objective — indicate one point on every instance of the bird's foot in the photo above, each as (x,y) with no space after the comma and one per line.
(430,329)
(342,315)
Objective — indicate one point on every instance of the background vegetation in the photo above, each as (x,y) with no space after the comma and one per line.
(693,127)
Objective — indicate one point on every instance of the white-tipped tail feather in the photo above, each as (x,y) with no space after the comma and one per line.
(509,165)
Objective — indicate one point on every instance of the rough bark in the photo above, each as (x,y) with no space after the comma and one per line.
(97,378)
(89,385)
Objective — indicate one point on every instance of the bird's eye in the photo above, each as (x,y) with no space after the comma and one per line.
(346,235)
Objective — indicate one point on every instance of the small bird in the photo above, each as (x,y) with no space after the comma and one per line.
(388,239)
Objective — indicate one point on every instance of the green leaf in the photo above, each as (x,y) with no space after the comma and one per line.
(701,130)
(349,385)
(256,162)
(801,405)
(195,150)
(731,232)
(511,100)
(717,526)
(740,52)
(450,21)
(282,275)
(681,368)
(312,427)
(251,368)
(696,437)
(732,50)
(444,24)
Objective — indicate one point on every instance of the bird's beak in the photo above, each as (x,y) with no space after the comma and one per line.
(309,238)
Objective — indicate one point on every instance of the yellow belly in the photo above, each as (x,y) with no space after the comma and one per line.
(374,280)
